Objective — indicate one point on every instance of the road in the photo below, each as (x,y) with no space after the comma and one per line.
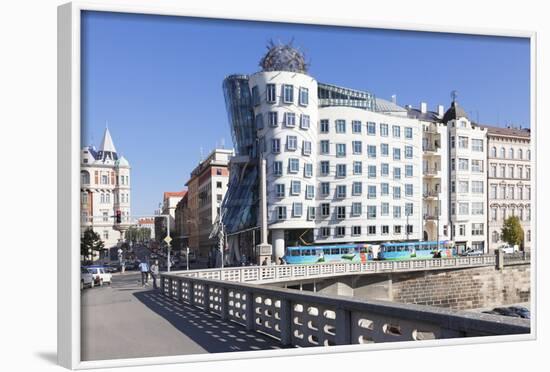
(126,320)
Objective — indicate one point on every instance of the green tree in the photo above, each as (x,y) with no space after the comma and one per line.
(512,232)
(89,243)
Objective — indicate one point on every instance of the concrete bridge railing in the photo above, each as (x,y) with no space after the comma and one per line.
(282,273)
(304,319)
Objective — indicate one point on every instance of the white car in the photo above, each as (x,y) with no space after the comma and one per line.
(86,278)
(100,275)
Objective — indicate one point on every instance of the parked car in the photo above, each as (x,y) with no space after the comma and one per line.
(86,278)
(112,268)
(509,249)
(100,275)
(470,252)
(506,311)
(521,311)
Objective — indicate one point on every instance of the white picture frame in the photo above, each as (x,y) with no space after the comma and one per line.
(69,109)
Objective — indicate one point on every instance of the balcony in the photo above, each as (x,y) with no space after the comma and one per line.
(430,217)
(430,171)
(431,194)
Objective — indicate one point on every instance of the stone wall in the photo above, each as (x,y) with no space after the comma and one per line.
(465,288)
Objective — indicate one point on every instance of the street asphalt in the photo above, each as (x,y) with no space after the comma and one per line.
(126,320)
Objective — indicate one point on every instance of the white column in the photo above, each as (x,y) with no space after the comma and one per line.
(278,238)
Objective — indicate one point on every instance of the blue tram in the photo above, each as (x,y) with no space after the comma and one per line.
(416,250)
(329,253)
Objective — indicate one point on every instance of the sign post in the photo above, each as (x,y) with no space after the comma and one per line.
(168,240)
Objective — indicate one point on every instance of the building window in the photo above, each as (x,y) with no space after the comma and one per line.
(255,96)
(308,170)
(385,229)
(511,153)
(310,191)
(304,96)
(396,131)
(105,234)
(462,142)
(493,214)
(295,187)
(281,213)
(409,209)
(341,191)
(371,192)
(356,230)
(397,229)
(291,143)
(452,142)
(290,119)
(296,209)
(528,235)
(493,152)
(288,93)
(371,150)
(477,187)
(271,96)
(408,189)
(278,168)
(356,209)
(306,148)
(293,165)
(325,232)
(272,118)
(511,171)
(477,229)
(357,147)
(340,150)
(340,231)
(340,126)
(463,164)
(357,167)
(396,211)
(340,212)
(396,153)
(477,145)
(310,213)
(102,198)
(463,186)
(495,236)
(85,178)
(384,169)
(408,170)
(323,127)
(356,126)
(520,154)
(477,208)
(325,188)
(385,209)
(371,212)
(275,145)
(325,209)
(357,188)
(384,189)
(105,216)
(341,170)
(408,133)
(325,147)
(502,153)
(384,149)
(397,192)
(371,128)
(325,168)
(463,208)
(218,185)
(396,173)
(477,166)
(104,179)
(383,130)
(493,170)
(280,190)
(219,197)
(408,152)
(461,230)
(304,121)
(372,171)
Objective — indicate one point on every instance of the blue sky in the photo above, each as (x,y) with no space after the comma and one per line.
(157,81)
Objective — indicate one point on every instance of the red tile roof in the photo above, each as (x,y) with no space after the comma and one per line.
(170,194)
(516,132)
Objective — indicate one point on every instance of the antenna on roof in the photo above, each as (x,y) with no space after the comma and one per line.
(454,95)
(223,143)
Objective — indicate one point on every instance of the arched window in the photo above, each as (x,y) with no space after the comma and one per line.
(502,152)
(511,152)
(494,152)
(520,154)
(495,237)
(84,178)
(528,154)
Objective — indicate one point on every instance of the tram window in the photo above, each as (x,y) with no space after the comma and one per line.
(363,250)
(335,251)
(306,252)
(326,251)
(294,253)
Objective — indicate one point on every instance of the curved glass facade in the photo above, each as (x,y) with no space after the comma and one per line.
(240,204)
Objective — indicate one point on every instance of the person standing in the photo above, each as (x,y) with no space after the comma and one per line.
(144,268)
(155,273)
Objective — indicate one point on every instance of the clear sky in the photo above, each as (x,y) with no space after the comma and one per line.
(157,81)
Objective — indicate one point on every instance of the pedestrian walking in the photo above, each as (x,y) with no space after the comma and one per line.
(144,268)
(154,273)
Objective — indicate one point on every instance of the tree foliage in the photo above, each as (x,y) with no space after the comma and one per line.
(512,232)
(90,242)
(137,234)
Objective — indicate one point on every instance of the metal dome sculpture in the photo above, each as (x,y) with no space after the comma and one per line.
(283,57)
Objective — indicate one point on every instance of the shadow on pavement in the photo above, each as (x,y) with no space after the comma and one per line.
(207,330)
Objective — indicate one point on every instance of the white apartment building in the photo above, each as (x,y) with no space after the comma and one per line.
(468,180)
(105,189)
(509,180)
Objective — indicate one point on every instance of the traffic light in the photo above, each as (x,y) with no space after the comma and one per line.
(118,216)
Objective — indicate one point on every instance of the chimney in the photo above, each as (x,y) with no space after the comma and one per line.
(440,110)
(423,107)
